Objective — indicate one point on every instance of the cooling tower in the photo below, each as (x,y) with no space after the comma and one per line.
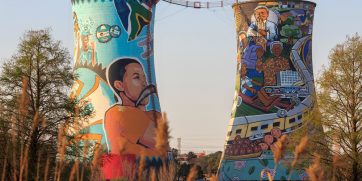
(116,78)
(274,87)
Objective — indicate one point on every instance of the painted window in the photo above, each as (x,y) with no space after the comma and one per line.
(291,120)
(255,128)
(265,126)
(276,124)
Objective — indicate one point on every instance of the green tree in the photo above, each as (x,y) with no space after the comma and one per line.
(183,171)
(290,32)
(340,105)
(190,156)
(35,83)
(210,163)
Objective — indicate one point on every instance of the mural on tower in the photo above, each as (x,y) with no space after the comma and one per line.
(115,67)
(274,85)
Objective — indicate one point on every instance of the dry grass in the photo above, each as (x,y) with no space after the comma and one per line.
(165,173)
(20,158)
(162,136)
(153,174)
(73,170)
(270,178)
(38,165)
(24,99)
(5,163)
(168,170)
(278,148)
(193,174)
(47,164)
(141,166)
(299,150)
(315,171)
(95,172)
(213,178)
(129,171)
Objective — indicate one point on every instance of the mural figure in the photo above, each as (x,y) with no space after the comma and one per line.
(128,122)
(252,54)
(262,27)
(274,86)
(251,89)
(85,50)
(273,66)
(114,62)
(129,128)
(88,50)
(243,41)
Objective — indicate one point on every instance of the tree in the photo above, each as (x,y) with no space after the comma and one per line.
(340,105)
(210,163)
(183,171)
(291,32)
(35,83)
(190,156)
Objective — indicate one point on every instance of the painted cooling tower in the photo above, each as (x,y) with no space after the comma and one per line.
(274,86)
(115,66)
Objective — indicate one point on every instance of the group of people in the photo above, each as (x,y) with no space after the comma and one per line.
(255,73)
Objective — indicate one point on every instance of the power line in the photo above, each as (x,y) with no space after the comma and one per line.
(202,4)
(170,15)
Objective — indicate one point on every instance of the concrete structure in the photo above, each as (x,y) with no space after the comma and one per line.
(115,66)
(274,86)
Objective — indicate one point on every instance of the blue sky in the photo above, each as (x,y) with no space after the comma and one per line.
(195,56)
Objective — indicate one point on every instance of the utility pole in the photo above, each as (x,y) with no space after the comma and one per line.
(179,145)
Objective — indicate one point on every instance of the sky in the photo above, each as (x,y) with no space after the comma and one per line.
(195,57)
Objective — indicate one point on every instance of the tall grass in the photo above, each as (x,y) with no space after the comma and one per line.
(167,172)
(193,174)
(315,171)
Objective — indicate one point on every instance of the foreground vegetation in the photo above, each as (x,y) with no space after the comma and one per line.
(38,122)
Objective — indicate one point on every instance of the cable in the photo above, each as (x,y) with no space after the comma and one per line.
(163,9)
(173,14)
(202,4)
(220,18)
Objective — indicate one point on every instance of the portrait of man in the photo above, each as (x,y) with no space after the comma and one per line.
(262,27)
(128,126)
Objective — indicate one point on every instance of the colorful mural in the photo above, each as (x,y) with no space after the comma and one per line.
(274,86)
(115,67)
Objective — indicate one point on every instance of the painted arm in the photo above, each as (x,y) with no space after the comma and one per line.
(273,31)
(257,83)
(77,48)
(94,58)
(247,87)
(119,144)
(119,141)
(252,31)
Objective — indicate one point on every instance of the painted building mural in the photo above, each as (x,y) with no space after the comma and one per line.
(115,67)
(274,86)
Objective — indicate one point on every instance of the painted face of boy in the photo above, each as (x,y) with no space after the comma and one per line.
(243,70)
(134,82)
